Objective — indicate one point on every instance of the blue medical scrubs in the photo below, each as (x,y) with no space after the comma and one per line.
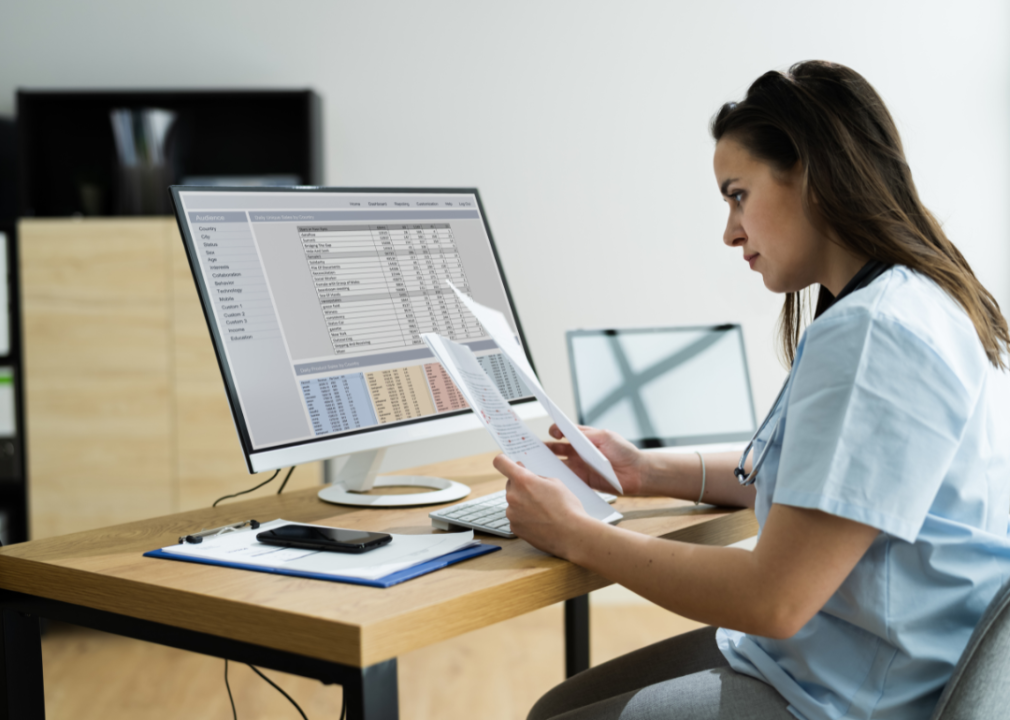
(892,417)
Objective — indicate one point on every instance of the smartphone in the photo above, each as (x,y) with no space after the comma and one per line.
(324,538)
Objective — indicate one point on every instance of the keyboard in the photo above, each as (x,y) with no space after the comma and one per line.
(486,514)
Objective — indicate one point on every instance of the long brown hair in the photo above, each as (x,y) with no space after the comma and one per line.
(856,182)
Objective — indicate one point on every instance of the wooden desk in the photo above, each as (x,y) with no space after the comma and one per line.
(345,634)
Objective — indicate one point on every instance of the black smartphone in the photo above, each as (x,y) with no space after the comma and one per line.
(324,538)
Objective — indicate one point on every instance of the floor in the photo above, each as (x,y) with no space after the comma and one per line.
(496,673)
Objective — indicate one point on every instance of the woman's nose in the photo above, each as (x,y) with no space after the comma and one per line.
(734,234)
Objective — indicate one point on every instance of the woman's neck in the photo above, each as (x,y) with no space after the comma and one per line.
(841,266)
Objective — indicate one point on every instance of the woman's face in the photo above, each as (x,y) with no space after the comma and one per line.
(768,222)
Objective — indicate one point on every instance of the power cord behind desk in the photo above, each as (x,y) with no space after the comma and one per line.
(275,686)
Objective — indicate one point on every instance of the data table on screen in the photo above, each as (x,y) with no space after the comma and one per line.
(381,286)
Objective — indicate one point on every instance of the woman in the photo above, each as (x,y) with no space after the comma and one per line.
(881,479)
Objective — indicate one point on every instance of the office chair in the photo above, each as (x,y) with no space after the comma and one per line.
(979,689)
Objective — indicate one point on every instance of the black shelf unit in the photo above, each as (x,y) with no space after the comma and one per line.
(63,139)
(67,141)
(13,468)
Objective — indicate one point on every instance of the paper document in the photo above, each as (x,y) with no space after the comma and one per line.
(403,552)
(513,436)
(500,330)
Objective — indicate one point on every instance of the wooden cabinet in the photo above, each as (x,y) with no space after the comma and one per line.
(126,411)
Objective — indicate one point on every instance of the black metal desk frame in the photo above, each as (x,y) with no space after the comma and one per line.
(371,692)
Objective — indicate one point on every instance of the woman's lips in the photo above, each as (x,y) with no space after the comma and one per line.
(750,259)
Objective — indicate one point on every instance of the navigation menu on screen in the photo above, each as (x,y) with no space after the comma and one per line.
(236,279)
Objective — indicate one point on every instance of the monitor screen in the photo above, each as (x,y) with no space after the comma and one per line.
(316,299)
(664,387)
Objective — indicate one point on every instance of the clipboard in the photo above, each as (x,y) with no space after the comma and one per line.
(386,581)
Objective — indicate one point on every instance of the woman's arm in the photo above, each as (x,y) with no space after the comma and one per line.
(669,474)
(679,475)
(801,560)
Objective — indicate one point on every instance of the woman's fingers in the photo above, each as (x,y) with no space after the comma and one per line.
(510,469)
(596,436)
(561,448)
(568,455)
(504,465)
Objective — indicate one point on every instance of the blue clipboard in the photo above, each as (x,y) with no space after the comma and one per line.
(383,582)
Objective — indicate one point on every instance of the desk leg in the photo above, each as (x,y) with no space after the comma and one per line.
(373,695)
(21,694)
(576,635)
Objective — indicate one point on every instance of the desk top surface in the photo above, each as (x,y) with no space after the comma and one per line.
(350,624)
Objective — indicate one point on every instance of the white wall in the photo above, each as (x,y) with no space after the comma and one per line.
(584,124)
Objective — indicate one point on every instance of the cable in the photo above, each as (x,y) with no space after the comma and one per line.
(268,480)
(226,497)
(230,698)
(280,690)
(276,687)
(286,478)
(343,707)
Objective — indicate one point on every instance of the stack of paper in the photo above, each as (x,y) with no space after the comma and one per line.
(497,326)
(511,434)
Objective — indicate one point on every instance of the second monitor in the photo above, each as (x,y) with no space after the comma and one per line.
(664,387)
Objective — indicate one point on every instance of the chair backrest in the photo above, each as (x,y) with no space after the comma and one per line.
(979,689)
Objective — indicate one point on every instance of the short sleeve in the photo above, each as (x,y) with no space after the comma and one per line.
(873,421)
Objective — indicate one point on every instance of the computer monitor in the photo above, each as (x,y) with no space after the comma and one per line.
(316,299)
(664,387)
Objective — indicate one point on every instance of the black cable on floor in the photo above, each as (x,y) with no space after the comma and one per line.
(280,690)
(230,698)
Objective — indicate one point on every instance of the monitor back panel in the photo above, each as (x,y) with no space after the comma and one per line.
(664,387)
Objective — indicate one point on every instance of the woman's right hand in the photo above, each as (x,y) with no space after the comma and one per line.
(626,459)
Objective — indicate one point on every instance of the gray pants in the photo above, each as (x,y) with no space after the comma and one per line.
(685,677)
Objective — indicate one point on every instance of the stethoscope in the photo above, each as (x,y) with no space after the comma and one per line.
(740,473)
(870,272)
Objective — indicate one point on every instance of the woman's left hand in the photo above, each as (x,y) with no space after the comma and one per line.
(541,510)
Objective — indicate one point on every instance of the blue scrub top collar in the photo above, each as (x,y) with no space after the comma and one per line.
(867,274)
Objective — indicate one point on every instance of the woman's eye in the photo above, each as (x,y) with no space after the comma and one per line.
(737,197)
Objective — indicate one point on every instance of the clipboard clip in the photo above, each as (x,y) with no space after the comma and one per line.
(198,537)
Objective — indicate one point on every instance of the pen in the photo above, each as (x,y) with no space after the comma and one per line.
(198,537)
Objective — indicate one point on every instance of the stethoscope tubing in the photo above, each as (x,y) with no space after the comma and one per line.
(741,474)
(870,272)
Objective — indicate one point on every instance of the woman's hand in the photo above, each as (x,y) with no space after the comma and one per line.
(542,511)
(627,460)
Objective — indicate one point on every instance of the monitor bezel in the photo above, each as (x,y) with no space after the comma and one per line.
(683,441)
(314,449)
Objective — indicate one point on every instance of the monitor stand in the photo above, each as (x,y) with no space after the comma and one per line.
(361,473)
